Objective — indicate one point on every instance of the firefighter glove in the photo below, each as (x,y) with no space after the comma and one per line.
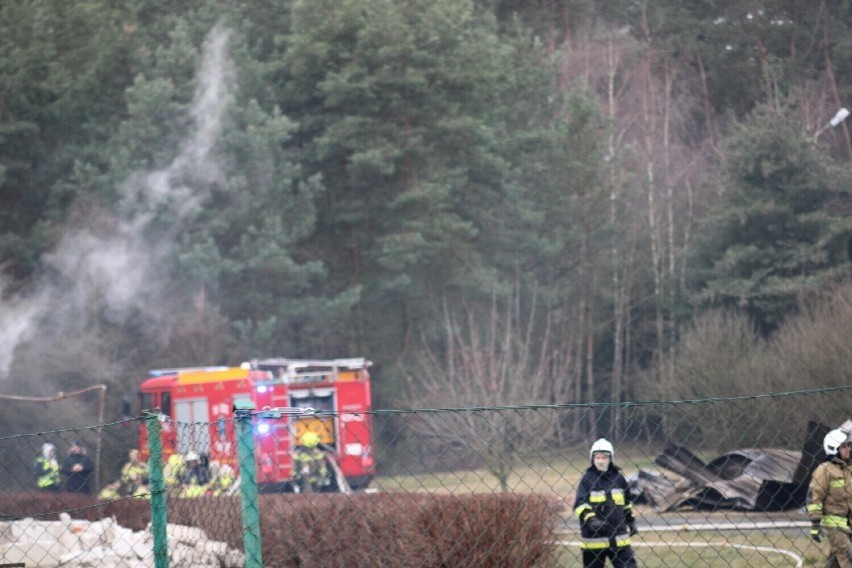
(631,526)
(816,531)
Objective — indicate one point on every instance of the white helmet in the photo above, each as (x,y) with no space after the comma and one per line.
(191,456)
(602,445)
(47,450)
(833,440)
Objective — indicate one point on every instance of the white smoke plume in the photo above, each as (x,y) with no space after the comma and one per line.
(16,325)
(115,263)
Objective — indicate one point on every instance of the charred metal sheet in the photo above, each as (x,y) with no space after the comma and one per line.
(734,480)
(745,473)
(764,479)
(812,452)
(683,462)
(658,490)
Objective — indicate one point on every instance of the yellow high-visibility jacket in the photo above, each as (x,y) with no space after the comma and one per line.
(47,473)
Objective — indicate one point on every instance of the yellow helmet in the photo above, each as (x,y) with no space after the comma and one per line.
(309,439)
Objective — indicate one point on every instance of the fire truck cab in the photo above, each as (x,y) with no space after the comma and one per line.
(335,396)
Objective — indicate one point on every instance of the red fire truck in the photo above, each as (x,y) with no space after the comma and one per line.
(199,402)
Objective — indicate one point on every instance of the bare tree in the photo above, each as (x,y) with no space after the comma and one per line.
(720,354)
(653,167)
(812,349)
(488,362)
(717,355)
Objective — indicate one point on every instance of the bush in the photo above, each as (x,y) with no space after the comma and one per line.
(407,529)
(332,530)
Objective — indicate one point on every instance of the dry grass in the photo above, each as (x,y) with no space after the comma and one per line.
(555,475)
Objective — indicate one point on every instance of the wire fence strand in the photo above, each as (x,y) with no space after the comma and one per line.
(714,482)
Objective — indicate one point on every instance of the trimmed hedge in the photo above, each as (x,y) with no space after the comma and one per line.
(332,530)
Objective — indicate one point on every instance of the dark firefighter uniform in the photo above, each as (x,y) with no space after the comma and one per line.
(829,507)
(604,507)
(311,471)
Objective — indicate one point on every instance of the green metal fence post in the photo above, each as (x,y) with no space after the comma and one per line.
(248,484)
(159,515)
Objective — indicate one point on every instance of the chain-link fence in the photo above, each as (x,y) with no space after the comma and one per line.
(718,482)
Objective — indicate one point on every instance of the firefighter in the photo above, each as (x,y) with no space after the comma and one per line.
(111,491)
(310,470)
(605,510)
(195,477)
(77,467)
(830,499)
(223,479)
(173,470)
(134,476)
(46,469)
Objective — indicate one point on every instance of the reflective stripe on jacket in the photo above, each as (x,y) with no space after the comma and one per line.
(309,465)
(222,483)
(133,478)
(109,493)
(593,543)
(606,495)
(830,494)
(47,473)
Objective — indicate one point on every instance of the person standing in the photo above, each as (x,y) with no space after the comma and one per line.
(310,471)
(77,468)
(46,469)
(829,502)
(195,477)
(134,476)
(605,509)
(173,471)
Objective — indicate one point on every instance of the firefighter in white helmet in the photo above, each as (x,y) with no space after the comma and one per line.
(46,469)
(830,498)
(195,476)
(605,510)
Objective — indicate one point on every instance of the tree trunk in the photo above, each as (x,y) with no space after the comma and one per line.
(616,394)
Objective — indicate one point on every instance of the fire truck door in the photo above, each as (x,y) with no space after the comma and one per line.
(193,426)
(319,399)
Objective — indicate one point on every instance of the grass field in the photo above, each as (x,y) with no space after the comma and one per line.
(559,474)
(734,550)
(556,474)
